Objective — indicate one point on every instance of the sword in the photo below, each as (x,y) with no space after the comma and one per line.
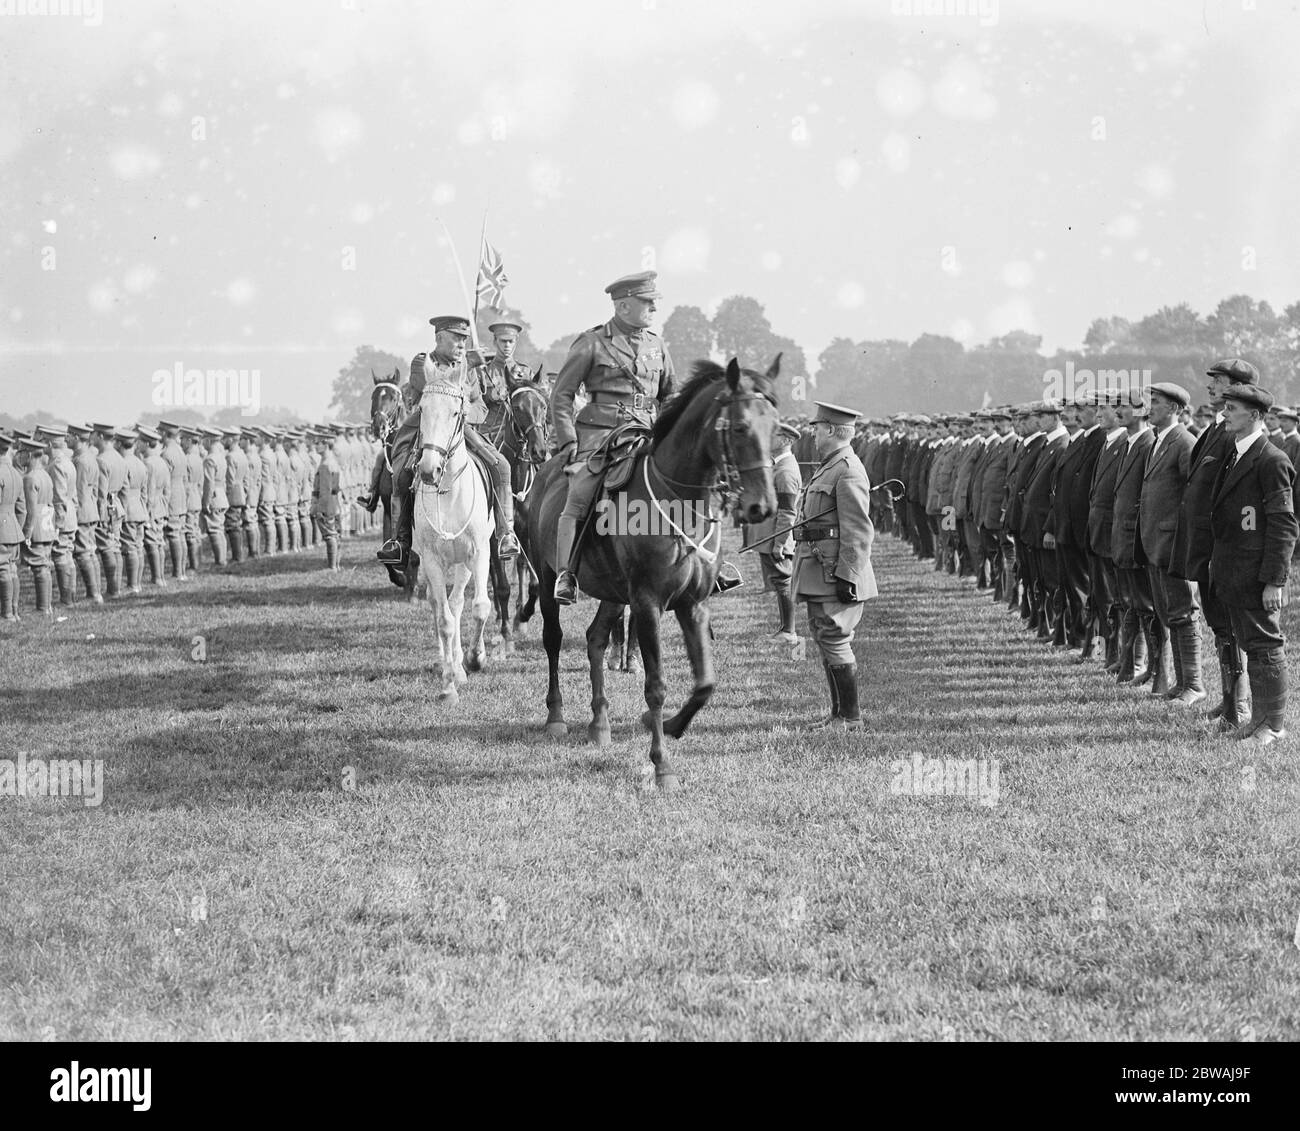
(787,530)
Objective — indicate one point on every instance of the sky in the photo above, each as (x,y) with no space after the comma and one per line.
(262,186)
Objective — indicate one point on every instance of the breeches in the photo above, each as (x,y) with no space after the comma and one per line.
(1174,599)
(831,624)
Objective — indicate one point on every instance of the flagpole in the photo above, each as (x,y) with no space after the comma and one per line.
(460,278)
(482,245)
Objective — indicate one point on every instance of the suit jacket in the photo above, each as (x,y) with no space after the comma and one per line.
(1072,490)
(1124,545)
(1037,503)
(1101,495)
(1254,526)
(1189,555)
(839,487)
(1162,492)
(971,452)
(943,475)
(975,490)
(1018,481)
(993,484)
(1291,445)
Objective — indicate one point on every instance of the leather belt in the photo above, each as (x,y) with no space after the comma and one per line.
(816,533)
(636,401)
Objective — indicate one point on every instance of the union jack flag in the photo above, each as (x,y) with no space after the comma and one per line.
(492,280)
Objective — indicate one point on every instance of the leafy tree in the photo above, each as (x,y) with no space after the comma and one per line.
(353,384)
(1108,334)
(689,335)
(742,331)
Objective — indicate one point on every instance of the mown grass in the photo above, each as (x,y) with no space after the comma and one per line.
(1136,880)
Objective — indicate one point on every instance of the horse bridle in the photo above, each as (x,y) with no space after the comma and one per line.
(446,389)
(390,420)
(730,471)
(535,426)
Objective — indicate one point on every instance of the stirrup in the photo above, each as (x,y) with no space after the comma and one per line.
(566,588)
(729,577)
(507,545)
(391,552)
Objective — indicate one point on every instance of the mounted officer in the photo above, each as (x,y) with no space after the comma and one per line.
(500,377)
(447,362)
(627,374)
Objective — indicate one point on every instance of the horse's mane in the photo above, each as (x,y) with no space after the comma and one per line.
(704,375)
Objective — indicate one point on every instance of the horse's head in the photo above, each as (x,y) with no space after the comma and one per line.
(743,430)
(385,403)
(529,419)
(442,424)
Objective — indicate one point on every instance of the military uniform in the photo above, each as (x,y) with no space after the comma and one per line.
(214,502)
(776,554)
(63,475)
(194,456)
(252,493)
(84,552)
(236,481)
(627,374)
(135,514)
(268,493)
(158,480)
(108,532)
(13,515)
(325,503)
(178,469)
(286,506)
(39,529)
(832,562)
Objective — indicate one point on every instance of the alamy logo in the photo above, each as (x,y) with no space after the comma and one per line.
(639,517)
(60,777)
(101,1085)
(975,779)
(90,11)
(209,388)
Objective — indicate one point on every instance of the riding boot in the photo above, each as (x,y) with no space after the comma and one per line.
(176,552)
(1089,640)
(332,554)
(566,583)
(251,539)
(90,578)
(44,583)
(1059,639)
(846,678)
(268,537)
(1173,675)
(304,533)
(1026,608)
(1112,640)
(291,535)
(7,596)
(1132,650)
(833,717)
(193,553)
(133,567)
(115,573)
(1189,644)
(1234,706)
(282,536)
(1163,670)
(1147,634)
(1258,698)
(66,577)
(785,607)
(217,542)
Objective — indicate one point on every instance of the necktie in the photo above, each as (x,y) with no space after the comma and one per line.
(1228,465)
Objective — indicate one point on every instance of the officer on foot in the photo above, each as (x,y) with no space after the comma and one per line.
(832,558)
(776,554)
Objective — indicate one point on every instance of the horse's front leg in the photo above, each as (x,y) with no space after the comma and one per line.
(648,616)
(499,577)
(632,653)
(480,610)
(552,640)
(597,641)
(456,602)
(695,633)
(449,659)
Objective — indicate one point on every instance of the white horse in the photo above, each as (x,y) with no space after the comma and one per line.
(452,531)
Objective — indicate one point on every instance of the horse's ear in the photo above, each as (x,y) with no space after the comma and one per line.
(396,378)
(537,377)
(774,369)
(733,375)
(374,379)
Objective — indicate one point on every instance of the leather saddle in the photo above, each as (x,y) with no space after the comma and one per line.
(615,459)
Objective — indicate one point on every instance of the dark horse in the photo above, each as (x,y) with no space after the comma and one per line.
(715,434)
(519,430)
(388,407)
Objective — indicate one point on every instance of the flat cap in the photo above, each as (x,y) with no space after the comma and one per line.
(640,285)
(455,323)
(1238,369)
(1251,395)
(788,430)
(1174,392)
(1286,411)
(835,414)
(1000,412)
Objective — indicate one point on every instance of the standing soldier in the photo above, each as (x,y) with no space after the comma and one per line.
(252,488)
(135,514)
(178,470)
(158,481)
(213,501)
(193,445)
(40,530)
(269,496)
(832,558)
(325,498)
(108,533)
(306,453)
(286,507)
(87,465)
(1254,527)
(1178,613)
(13,514)
(775,554)
(236,480)
(63,475)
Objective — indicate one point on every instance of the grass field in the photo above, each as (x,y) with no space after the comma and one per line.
(1136,879)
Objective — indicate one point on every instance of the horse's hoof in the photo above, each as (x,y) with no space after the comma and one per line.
(462,677)
(451,698)
(613,663)
(667,783)
(508,648)
(557,730)
(674,728)
(598,735)
(474,663)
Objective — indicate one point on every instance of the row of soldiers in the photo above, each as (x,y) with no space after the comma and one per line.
(106,503)
(1116,518)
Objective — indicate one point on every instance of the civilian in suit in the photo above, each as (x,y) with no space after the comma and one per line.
(1103,579)
(1178,610)
(1045,598)
(969,499)
(1018,484)
(1126,548)
(992,496)
(1253,523)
